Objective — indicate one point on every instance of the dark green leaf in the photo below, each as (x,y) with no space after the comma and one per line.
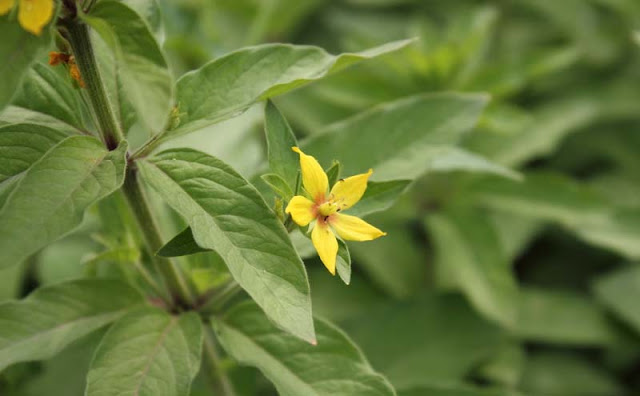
(620,292)
(379,196)
(52,317)
(280,139)
(182,244)
(147,353)
(335,366)
(50,198)
(227,214)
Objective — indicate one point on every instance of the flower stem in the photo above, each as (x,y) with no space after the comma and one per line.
(170,271)
(218,380)
(78,36)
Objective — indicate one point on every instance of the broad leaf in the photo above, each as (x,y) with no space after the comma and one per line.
(335,366)
(455,390)
(620,291)
(54,316)
(280,139)
(228,85)
(469,256)
(430,339)
(147,353)
(343,262)
(50,198)
(379,196)
(142,71)
(402,139)
(228,215)
(18,49)
(20,115)
(45,91)
(562,317)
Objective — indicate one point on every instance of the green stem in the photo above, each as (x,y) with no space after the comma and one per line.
(218,380)
(172,274)
(78,36)
(215,299)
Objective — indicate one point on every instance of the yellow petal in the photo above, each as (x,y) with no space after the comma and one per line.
(314,179)
(352,228)
(346,192)
(33,15)
(326,244)
(5,6)
(301,210)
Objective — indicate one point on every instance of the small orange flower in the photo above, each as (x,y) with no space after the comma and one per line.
(58,58)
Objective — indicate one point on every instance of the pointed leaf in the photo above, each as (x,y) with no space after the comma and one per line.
(147,353)
(229,85)
(142,70)
(379,196)
(52,317)
(182,244)
(620,292)
(228,215)
(280,139)
(333,367)
(50,198)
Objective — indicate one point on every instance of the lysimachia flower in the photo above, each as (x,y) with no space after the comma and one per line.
(33,15)
(325,209)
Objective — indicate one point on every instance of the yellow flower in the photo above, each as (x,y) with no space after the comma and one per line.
(324,209)
(33,15)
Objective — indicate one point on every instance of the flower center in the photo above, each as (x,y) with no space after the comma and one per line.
(327,209)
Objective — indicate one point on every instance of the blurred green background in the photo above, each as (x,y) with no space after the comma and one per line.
(484,285)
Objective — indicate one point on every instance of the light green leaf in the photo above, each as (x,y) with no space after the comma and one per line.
(50,198)
(455,390)
(469,256)
(228,85)
(150,11)
(46,91)
(620,292)
(19,48)
(283,161)
(335,366)
(20,115)
(52,317)
(432,339)
(143,74)
(563,317)
(400,140)
(278,185)
(379,196)
(228,215)
(343,262)
(182,244)
(147,353)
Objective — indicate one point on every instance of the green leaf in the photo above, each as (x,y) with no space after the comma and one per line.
(283,161)
(228,215)
(230,84)
(278,185)
(343,262)
(333,173)
(379,196)
(335,366)
(142,71)
(556,198)
(52,317)
(20,115)
(432,339)
(45,91)
(148,353)
(50,198)
(565,374)
(399,140)
(454,390)
(563,317)
(18,49)
(469,255)
(21,145)
(620,291)
(182,244)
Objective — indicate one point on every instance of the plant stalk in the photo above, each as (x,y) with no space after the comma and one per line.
(218,380)
(78,36)
(170,271)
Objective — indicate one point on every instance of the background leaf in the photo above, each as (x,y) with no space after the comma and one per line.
(52,317)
